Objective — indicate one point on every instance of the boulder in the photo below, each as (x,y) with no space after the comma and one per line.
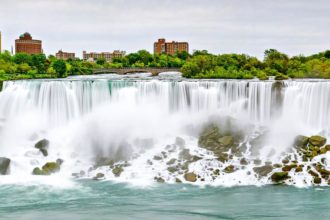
(301,141)
(317,141)
(103,161)
(42,145)
(159,179)
(190,177)
(117,170)
(263,170)
(279,176)
(317,180)
(98,176)
(180,142)
(4,165)
(287,168)
(229,169)
(226,141)
(49,168)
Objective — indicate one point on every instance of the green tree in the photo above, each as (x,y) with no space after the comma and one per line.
(60,68)
(101,61)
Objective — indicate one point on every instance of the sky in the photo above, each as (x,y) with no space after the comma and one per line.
(219,26)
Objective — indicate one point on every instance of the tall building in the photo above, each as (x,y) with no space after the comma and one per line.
(108,56)
(25,44)
(65,55)
(161,46)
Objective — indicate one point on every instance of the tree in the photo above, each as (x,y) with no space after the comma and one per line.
(39,61)
(60,68)
(276,60)
(101,61)
(21,58)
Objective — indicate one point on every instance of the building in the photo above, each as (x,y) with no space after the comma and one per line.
(108,56)
(161,46)
(25,44)
(65,55)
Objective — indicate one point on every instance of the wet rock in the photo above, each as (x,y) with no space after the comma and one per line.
(279,176)
(216,172)
(103,161)
(42,145)
(159,179)
(78,175)
(180,142)
(4,165)
(190,177)
(171,161)
(317,141)
(172,169)
(257,162)
(301,141)
(299,169)
(223,157)
(177,180)
(117,170)
(49,168)
(263,170)
(229,169)
(311,172)
(226,141)
(289,167)
(98,176)
(157,158)
(317,180)
(243,161)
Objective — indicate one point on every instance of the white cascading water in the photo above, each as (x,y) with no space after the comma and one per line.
(140,117)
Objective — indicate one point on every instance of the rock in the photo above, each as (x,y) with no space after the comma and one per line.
(117,170)
(98,176)
(4,165)
(311,172)
(159,180)
(59,161)
(51,167)
(229,169)
(317,180)
(263,170)
(190,177)
(323,150)
(172,169)
(226,141)
(177,180)
(301,141)
(243,161)
(317,141)
(157,158)
(171,161)
(257,162)
(289,167)
(223,157)
(279,176)
(43,145)
(47,169)
(299,169)
(103,161)
(180,142)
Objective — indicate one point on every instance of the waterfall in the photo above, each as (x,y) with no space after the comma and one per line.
(85,117)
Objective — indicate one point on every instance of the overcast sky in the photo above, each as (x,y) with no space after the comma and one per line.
(219,26)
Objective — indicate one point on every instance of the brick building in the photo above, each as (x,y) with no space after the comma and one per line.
(161,46)
(25,44)
(108,56)
(65,55)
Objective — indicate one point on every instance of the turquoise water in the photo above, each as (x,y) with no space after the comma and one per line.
(106,200)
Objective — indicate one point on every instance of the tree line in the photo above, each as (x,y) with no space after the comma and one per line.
(200,64)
